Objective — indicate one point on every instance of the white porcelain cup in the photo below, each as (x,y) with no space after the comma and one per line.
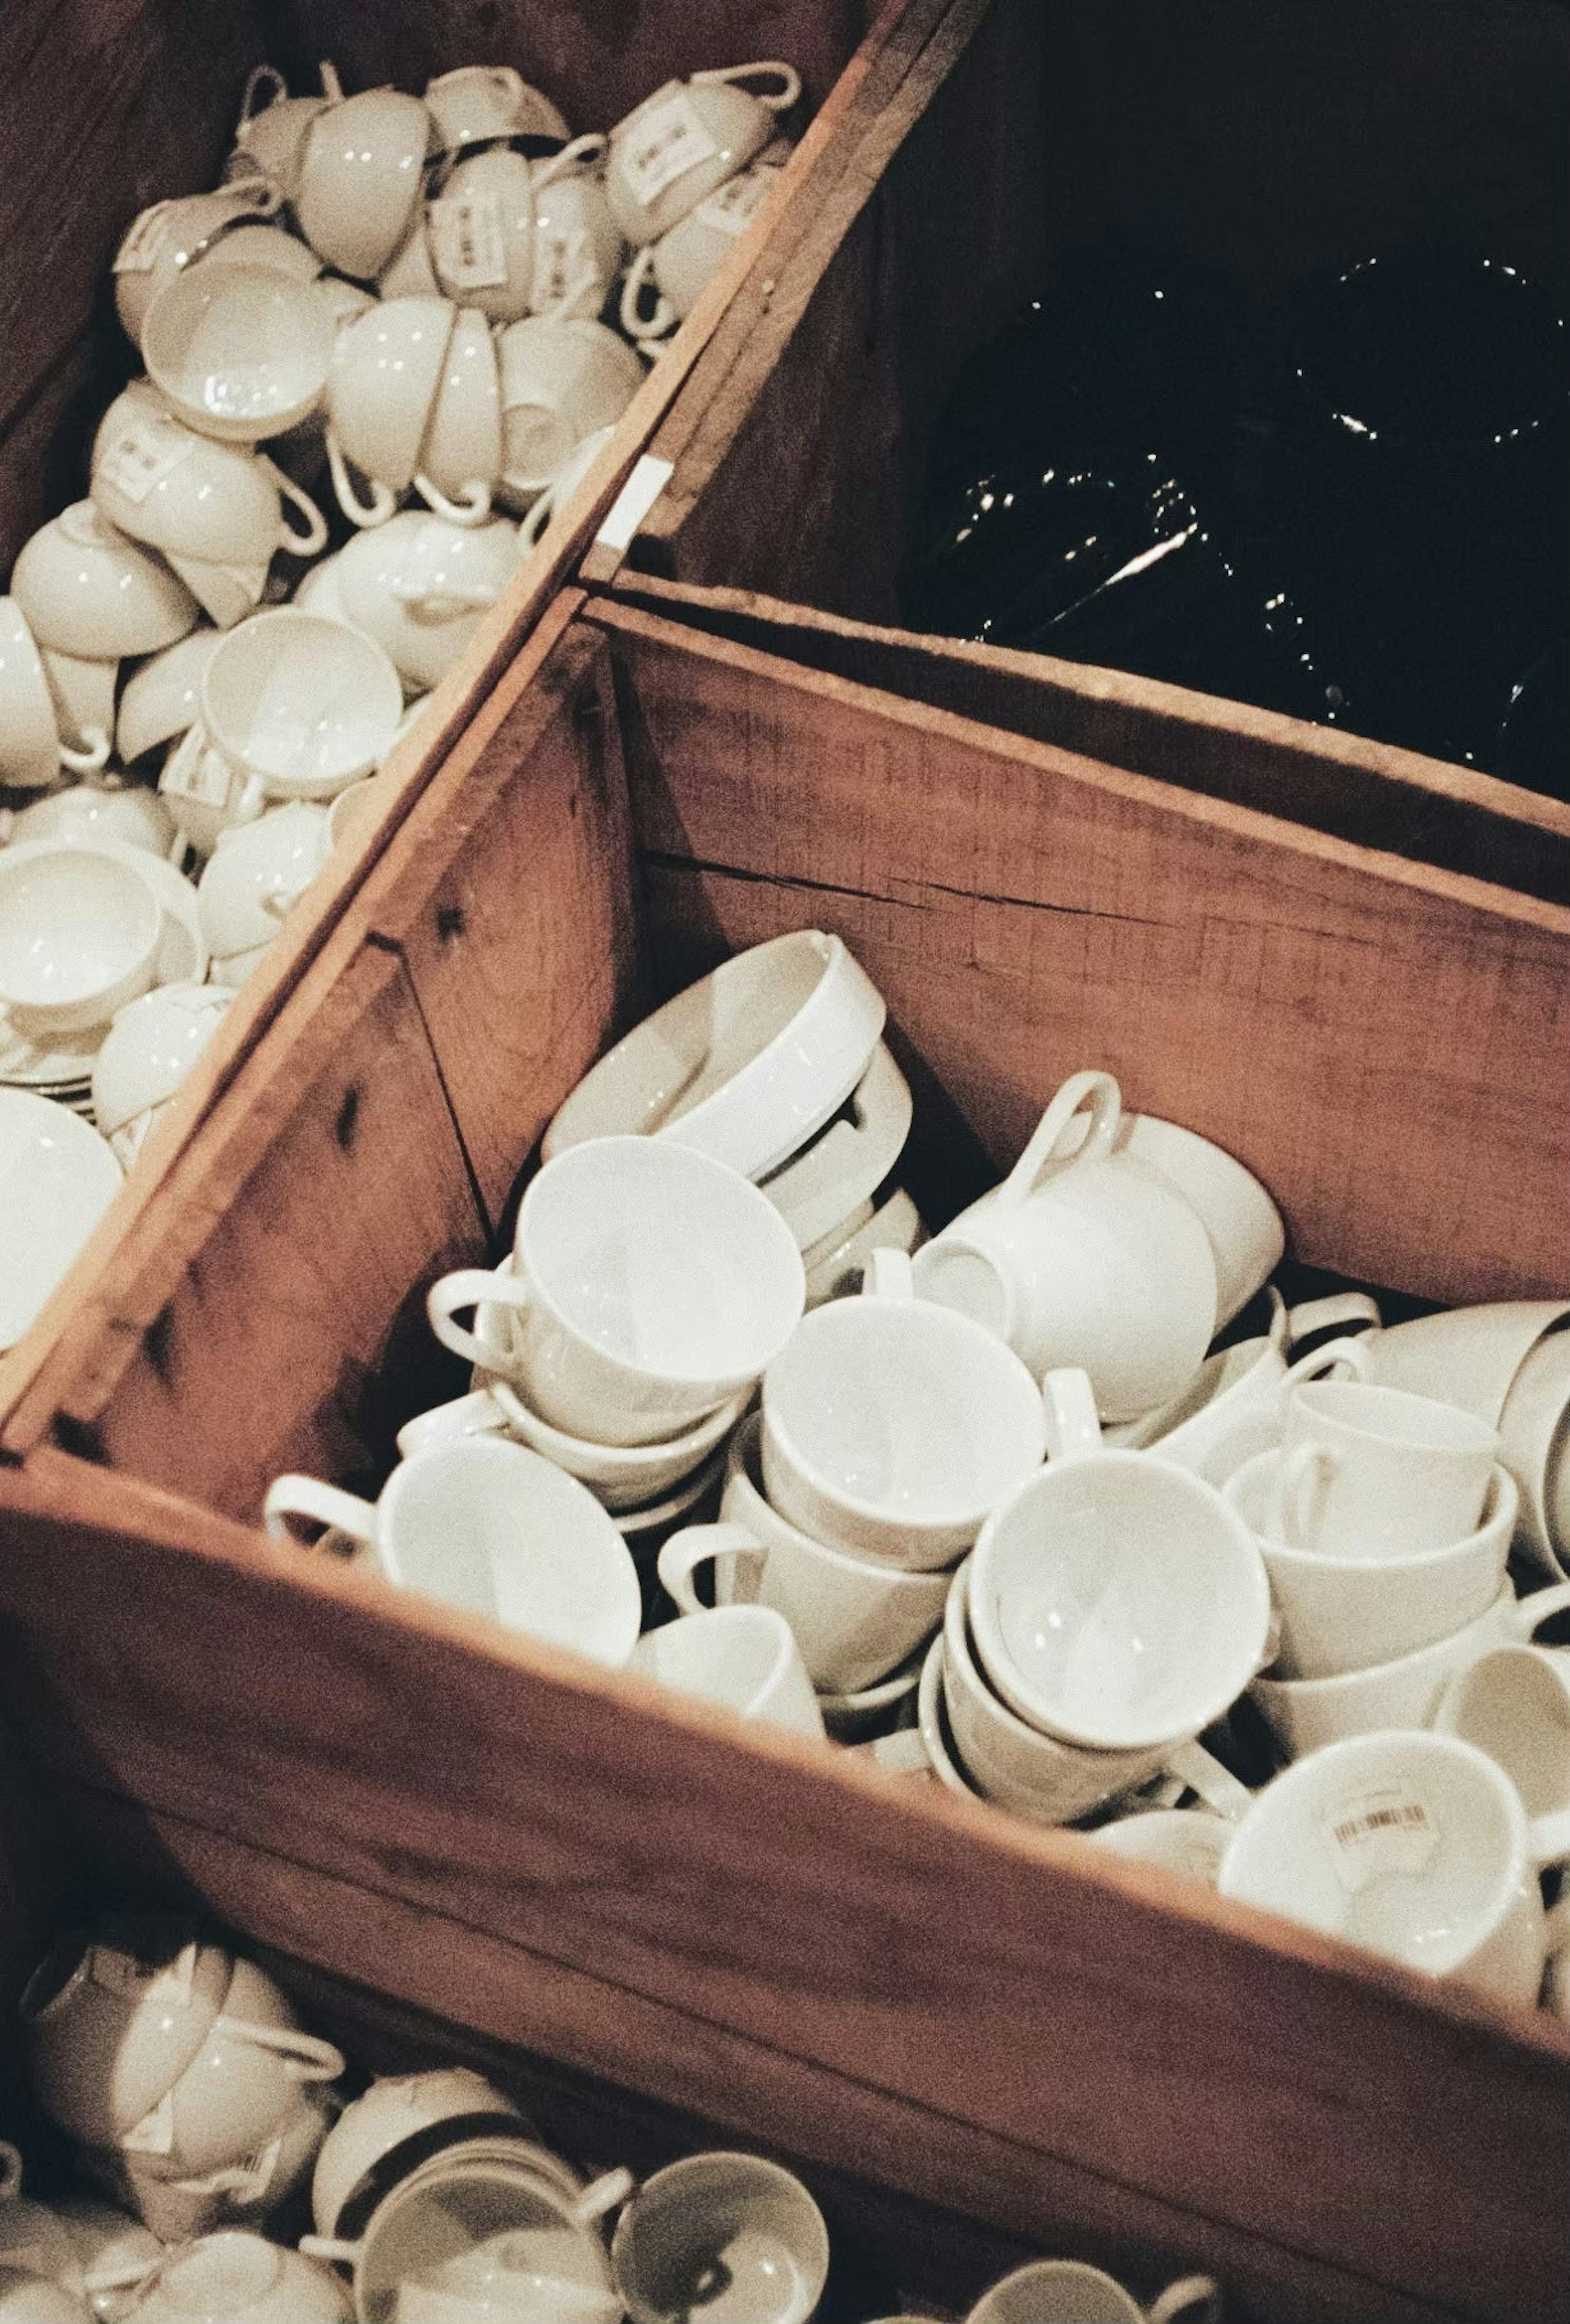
(242,2194)
(1116,1602)
(298,705)
(83,588)
(257,872)
(1414,1846)
(1535,1446)
(32,751)
(381,385)
(271,131)
(161,700)
(80,932)
(1037,1776)
(114,2254)
(394,2127)
(239,352)
(481,233)
(1371,1471)
(490,1528)
(151,1046)
(563,379)
(461,458)
(687,139)
(483,2230)
(715,2212)
(480,102)
(1342,1614)
(83,692)
(111,2018)
(577,244)
(679,268)
(420,586)
(361,171)
(241,2088)
(854,1619)
(1067,2291)
(745,1657)
(1188,1840)
(651,1284)
(1084,1260)
(892,1427)
(1468,1356)
(110,809)
(200,502)
(1514,1703)
(171,235)
(235,2277)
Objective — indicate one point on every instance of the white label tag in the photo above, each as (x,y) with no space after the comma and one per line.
(138,254)
(563,261)
(196,771)
(736,204)
(1384,1828)
(633,502)
(662,147)
(467,242)
(141,452)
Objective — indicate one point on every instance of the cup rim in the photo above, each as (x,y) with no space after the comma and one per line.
(1501,1507)
(748,1434)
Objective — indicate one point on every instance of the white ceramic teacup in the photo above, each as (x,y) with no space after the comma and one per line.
(1468,1356)
(1535,1446)
(687,139)
(1189,1840)
(488,1526)
(651,1284)
(719,2212)
(854,1619)
(1084,1260)
(1372,1471)
(198,501)
(1414,1845)
(563,379)
(235,2277)
(1514,1703)
(381,385)
(32,750)
(239,352)
(161,241)
(361,171)
(420,585)
(743,1657)
(80,932)
(114,2252)
(892,1427)
(395,2127)
(271,131)
(480,232)
(1305,1713)
(577,244)
(460,462)
(83,588)
(298,705)
(149,1049)
(1117,1601)
(1067,2291)
(256,873)
(112,811)
(1348,1613)
(111,2018)
(478,103)
(680,266)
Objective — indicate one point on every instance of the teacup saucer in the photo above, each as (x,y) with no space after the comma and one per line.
(677,1504)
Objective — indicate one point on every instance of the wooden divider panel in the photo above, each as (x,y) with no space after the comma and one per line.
(1124,2028)
(1385,1044)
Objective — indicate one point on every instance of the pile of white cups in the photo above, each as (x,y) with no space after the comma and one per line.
(443,301)
(1022,1514)
(432,2199)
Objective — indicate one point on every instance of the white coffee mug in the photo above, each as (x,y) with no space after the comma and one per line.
(1414,1846)
(1084,1260)
(1514,1703)
(1372,1471)
(743,1657)
(232,2273)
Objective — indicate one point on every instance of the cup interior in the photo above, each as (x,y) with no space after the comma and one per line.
(727,2239)
(730,1655)
(480,2239)
(665,1261)
(73,924)
(1057,2292)
(243,347)
(1116,1603)
(1513,1705)
(298,697)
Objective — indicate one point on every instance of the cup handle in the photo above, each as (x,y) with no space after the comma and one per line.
(531,531)
(694,1545)
(1549,1838)
(1332,1357)
(444,602)
(1105,1113)
(256,196)
(331,2248)
(1338,1311)
(332,88)
(888,1275)
(478,1413)
(1198,2292)
(471,1286)
(323,1504)
(1073,1423)
(602,2196)
(784,98)
(1528,1613)
(95,755)
(473,508)
(579,152)
(1216,1785)
(1283,1518)
(638,279)
(259,76)
(364,513)
(313,539)
(310,2058)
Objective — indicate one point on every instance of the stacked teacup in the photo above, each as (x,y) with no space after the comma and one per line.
(181,2071)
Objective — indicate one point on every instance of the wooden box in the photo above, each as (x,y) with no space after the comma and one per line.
(1264,142)
(1068,2048)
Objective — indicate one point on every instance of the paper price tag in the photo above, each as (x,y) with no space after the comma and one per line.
(736,204)
(662,147)
(141,452)
(196,771)
(563,261)
(138,254)
(467,241)
(1388,1828)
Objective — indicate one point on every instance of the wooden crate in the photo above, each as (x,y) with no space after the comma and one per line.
(1065,2047)
(150,94)
(1255,137)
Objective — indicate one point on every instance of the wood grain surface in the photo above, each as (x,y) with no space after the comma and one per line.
(1120,2027)
(1383,1043)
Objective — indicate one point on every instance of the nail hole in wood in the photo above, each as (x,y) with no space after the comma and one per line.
(159,1340)
(348,1115)
(449,922)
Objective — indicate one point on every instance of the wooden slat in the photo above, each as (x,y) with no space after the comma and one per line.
(1203,2055)
(1370,792)
(1383,1043)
